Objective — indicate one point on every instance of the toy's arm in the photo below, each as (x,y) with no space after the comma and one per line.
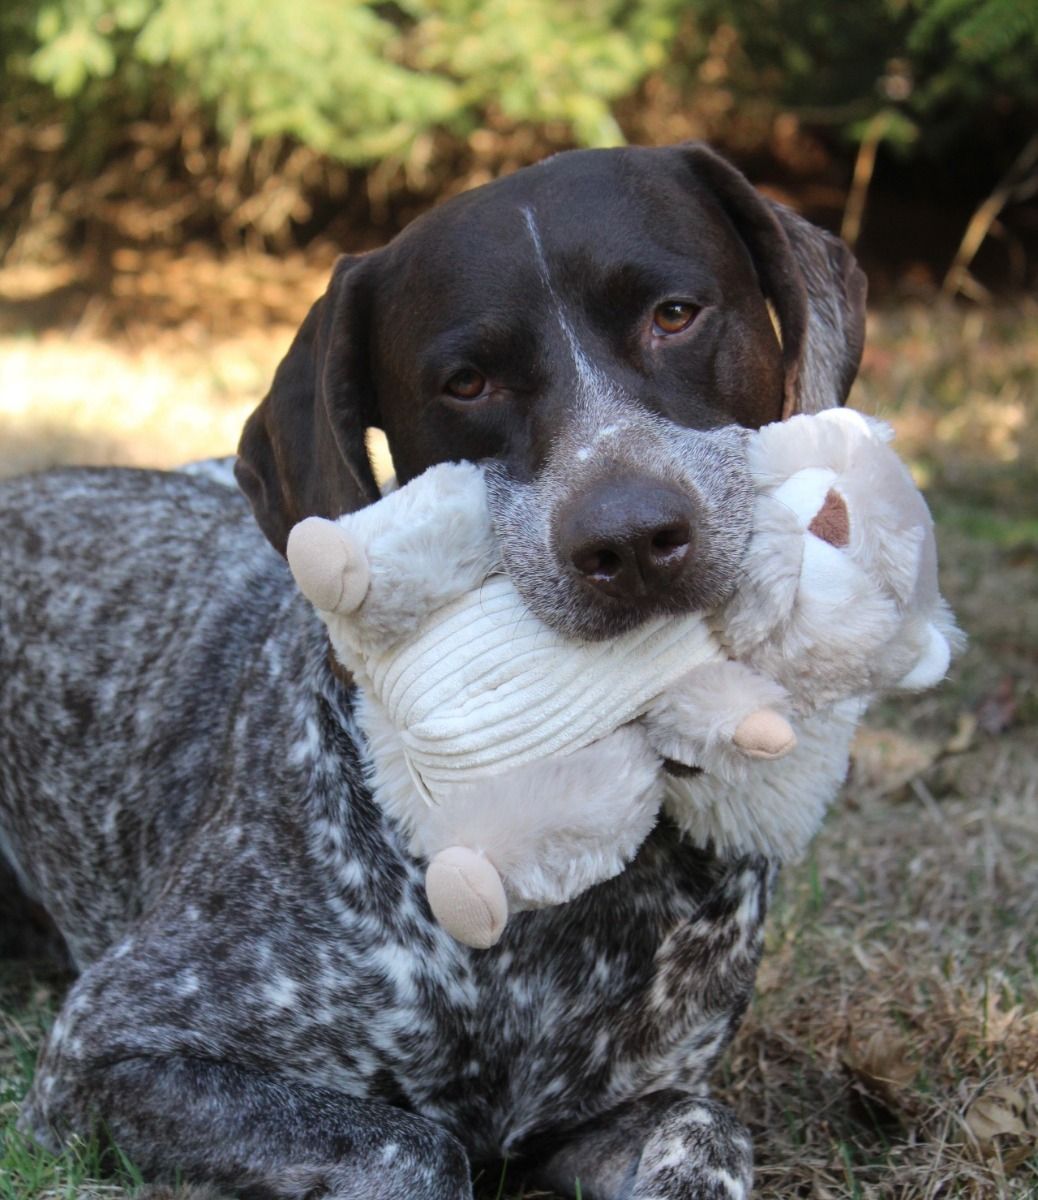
(390,565)
(329,564)
(719,715)
(778,806)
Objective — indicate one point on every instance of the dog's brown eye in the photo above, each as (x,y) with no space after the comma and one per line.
(673,316)
(465,385)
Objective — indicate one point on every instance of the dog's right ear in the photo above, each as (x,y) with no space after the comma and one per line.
(302,452)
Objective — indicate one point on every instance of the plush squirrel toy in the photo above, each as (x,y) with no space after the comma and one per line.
(526,767)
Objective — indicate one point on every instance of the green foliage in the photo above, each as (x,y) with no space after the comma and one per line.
(362,80)
(391,83)
(356,80)
(929,66)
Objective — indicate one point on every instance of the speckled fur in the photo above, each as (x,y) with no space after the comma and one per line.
(265,1001)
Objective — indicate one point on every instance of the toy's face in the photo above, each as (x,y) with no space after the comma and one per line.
(841,583)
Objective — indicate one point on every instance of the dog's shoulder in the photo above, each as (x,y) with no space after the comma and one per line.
(134,605)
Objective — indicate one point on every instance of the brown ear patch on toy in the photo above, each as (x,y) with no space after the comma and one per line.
(832,522)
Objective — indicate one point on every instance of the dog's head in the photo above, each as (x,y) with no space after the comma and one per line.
(599,328)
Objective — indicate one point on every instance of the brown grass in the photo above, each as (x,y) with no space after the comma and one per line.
(892,1049)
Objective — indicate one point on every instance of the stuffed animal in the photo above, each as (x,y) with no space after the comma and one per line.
(526,767)
(510,755)
(837,601)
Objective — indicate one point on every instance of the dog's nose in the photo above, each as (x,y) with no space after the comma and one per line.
(629,539)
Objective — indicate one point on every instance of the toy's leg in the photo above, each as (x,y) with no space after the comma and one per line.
(717,714)
(666,1146)
(777,808)
(764,734)
(551,828)
(329,565)
(466,896)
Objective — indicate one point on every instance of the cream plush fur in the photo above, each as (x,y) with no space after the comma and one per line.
(526,768)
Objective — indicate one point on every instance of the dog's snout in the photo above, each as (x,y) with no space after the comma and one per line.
(630,540)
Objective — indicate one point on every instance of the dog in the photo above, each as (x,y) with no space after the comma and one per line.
(263,1000)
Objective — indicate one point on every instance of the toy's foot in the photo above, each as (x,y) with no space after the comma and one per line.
(764,734)
(466,896)
(329,565)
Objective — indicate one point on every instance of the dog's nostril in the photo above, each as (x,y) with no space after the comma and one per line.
(668,540)
(601,563)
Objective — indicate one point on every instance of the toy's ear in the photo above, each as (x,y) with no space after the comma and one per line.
(832,522)
(811,279)
(302,451)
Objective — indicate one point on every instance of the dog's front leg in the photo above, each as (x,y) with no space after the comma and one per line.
(255,1133)
(665,1146)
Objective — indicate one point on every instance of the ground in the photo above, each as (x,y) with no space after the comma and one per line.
(892,1048)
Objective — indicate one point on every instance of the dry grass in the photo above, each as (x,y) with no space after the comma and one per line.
(892,1049)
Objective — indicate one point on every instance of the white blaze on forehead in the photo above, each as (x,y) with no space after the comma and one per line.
(586,371)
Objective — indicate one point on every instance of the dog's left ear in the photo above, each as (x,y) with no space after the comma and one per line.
(811,278)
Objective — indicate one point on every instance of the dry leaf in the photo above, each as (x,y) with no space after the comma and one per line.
(884,760)
(1004,1113)
(882,1067)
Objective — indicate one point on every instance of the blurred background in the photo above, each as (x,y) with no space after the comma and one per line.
(176,177)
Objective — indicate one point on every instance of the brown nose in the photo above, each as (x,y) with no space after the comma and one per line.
(630,539)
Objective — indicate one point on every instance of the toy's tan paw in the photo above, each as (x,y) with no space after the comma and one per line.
(764,734)
(466,896)
(329,565)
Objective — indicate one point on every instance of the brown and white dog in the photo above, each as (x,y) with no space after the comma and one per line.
(264,1001)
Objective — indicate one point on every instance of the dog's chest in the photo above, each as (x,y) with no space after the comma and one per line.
(627,990)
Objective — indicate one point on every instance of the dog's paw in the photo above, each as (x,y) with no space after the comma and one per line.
(696,1152)
(466,896)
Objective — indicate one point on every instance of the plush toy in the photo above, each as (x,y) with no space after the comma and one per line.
(526,767)
(837,601)
(510,755)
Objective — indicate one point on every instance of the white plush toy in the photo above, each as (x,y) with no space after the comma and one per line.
(837,601)
(526,767)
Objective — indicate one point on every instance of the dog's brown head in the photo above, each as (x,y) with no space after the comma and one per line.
(597,328)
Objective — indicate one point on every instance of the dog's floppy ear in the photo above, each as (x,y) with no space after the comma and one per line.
(810,278)
(302,451)
(836,288)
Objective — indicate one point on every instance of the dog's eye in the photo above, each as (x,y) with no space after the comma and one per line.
(465,385)
(672,316)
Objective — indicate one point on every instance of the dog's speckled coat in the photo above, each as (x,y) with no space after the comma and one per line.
(264,1001)
(250,928)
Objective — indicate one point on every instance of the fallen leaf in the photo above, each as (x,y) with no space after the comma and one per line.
(881,1067)
(884,761)
(1004,1123)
